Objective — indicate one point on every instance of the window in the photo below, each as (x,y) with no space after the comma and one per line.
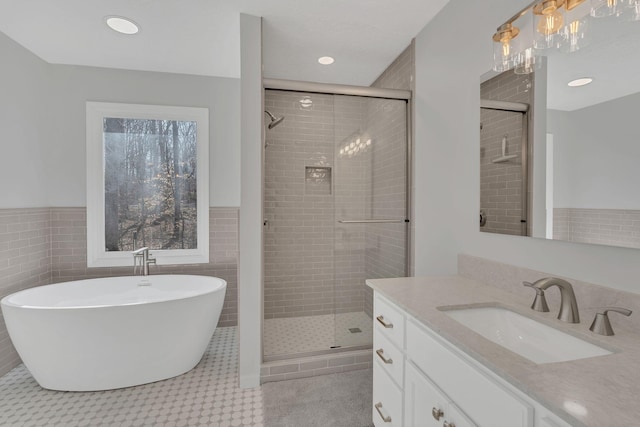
(147,183)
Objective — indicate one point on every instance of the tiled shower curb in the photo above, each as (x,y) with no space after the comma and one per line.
(312,366)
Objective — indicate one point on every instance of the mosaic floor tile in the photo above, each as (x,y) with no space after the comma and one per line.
(208,395)
(292,335)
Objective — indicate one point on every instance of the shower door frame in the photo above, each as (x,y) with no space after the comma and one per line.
(367,92)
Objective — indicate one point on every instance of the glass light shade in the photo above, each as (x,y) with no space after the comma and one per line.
(632,10)
(604,8)
(547,27)
(572,4)
(503,57)
(527,62)
(504,54)
(574,35)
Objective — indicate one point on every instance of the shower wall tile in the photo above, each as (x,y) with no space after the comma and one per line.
(613,227)
(25,262)
(69,254)
(386,121)
(501,183)
(302,277)
(399,74)
(306,273)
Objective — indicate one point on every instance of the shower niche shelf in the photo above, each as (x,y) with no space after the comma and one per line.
(317,180)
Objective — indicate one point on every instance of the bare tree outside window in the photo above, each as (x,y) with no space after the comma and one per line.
(150,184)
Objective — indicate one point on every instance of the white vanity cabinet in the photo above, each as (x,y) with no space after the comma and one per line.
(422,380)
(425,405)
(388,364)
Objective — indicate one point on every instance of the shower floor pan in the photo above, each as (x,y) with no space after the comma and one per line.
(290,336)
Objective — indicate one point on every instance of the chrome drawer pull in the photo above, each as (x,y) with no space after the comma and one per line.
(437,413)
(384,359)
(448,424)
(383,323)
(378,407)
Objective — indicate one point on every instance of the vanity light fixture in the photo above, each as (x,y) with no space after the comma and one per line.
(554,25)
(633,10)
(548,20)
(122,25)
(326,60)
(604,8)
(583,81)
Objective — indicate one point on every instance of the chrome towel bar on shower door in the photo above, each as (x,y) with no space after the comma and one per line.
(371,221)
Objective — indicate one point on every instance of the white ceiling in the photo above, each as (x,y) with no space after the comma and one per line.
(202,36)
(611,58)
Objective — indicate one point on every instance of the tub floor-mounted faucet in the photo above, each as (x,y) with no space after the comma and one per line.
(145,258)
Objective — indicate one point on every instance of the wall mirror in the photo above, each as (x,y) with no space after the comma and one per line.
(560,124)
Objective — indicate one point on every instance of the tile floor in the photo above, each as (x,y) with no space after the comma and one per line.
(208,395)
(293,335)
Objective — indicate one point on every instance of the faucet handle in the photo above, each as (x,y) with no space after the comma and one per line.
(601,324)
(540,302)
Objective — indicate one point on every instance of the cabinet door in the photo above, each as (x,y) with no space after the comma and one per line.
(456,418)
(387,399)
(424,403)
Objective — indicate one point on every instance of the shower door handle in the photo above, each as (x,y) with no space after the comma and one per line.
(372,221)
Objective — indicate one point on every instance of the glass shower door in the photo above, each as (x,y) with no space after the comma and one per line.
(370,205)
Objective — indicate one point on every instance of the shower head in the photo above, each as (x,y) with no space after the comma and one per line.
(275,121)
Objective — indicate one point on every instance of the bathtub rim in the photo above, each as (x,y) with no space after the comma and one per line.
(5,300)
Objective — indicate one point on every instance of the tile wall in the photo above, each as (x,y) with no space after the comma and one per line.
(301,210)
(387,258)
(302,221)
(312,366)
(501,183)
(353,199)
(613,227)
(298,234)
(25,262)
(48,245)
(386,243)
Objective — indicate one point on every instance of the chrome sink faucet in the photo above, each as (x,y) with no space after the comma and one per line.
(568,304)
(145,258)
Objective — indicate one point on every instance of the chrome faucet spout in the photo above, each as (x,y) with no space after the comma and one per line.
(568,304)
(145,259)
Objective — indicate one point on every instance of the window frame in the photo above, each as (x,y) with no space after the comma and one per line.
(97,256)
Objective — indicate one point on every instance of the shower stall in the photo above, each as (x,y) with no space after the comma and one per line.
(505,154)
(335,213)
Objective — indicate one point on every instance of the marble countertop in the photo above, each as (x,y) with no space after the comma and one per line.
(593,392)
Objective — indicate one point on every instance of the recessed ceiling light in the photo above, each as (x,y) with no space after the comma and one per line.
(326,60)
(122,25)
(580,82)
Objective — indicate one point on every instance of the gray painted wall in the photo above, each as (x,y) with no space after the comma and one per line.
(596,154)
(24,103)
(250,292)
(446,146)
(43,106)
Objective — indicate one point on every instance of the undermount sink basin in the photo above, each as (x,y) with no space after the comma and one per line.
(527,337)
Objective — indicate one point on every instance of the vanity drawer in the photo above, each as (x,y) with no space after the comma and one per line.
(387,399)
(486,402)
(389,320)
(390,357)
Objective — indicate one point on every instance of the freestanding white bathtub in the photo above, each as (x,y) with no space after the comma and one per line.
(101,334)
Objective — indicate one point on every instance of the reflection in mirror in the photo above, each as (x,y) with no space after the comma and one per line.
(575,176)
(504,135)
